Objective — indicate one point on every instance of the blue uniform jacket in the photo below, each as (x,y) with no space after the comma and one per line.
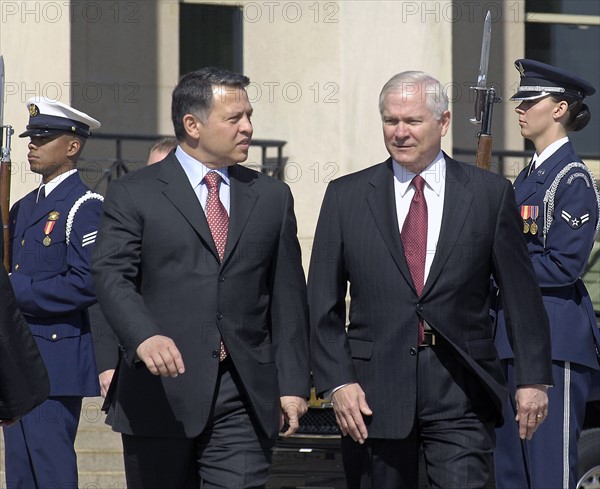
(561,263)
(53,282)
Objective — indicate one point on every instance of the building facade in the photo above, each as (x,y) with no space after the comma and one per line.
(316,68)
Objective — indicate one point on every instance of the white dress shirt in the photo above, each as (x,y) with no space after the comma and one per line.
(196,172)
(548,152)
(55,182)
(434,191)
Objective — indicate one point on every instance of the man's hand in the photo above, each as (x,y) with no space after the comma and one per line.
(105,378)
(532,409)
(161,356)
(292,409)
(349,406)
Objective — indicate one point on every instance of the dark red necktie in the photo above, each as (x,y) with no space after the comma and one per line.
(414,239)
(218,222)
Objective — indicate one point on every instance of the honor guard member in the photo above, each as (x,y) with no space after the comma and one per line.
(53,231)
(558,200)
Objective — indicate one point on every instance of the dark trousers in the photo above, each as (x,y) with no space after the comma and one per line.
(453,427)
(549,460)
(39,448)
(230,453)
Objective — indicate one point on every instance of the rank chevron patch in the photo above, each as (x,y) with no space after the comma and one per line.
(89,239)
(575,222)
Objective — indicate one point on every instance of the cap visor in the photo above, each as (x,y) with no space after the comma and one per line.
(528,95)
(30,133)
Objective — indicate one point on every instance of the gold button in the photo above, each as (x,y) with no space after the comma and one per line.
(54,336)
(17,266)
(23,243)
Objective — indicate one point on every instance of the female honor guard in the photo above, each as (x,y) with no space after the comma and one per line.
(558,199)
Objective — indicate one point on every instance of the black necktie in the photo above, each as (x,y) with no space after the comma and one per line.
(41,193)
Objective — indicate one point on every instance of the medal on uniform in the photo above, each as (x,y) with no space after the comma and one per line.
(52,218)
(533,228)
(525,216)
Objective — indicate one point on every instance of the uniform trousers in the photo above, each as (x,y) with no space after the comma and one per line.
(232,452)
(454,428)
(549,459)
(39,448)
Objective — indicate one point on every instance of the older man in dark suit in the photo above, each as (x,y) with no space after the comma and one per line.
(417,238)
(198,271)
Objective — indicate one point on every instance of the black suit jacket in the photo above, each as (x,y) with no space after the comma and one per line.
(157,271)
(358,242)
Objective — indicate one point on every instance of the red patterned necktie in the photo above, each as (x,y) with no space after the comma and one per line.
(218,222)
(414,239)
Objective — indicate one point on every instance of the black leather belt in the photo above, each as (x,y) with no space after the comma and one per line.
(429,339)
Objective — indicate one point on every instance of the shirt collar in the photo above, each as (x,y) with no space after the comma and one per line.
(196,170)
(549,151)
(56,181)
(433,175)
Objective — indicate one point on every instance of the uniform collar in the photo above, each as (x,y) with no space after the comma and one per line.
(56,181)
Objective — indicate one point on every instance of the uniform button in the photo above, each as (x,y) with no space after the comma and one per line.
(219,315)
(17,266)
(413,351)
(221,279)
(54,336)
(23,243)
(215,354)
(419,307)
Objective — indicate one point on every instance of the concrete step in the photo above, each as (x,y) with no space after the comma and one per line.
(98,440)
(99,460)
(99,450)
(101,480)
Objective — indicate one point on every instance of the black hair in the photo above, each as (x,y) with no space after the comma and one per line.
(194,94)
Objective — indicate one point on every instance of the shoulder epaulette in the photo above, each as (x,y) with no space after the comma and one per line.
(550,196)
(87,196)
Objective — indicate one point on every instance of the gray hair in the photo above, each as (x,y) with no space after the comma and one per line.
(408,82)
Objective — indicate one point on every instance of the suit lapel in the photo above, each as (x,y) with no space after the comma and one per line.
(457,202)
(181,194)
(382,202)
(242,200)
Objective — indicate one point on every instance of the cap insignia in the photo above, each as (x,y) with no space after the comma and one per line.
(33,110)
(519,67)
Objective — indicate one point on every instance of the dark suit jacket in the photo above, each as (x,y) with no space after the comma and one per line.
(157,271)
(358,241)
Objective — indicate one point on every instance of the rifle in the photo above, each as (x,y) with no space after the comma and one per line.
(5,134)
(485,98)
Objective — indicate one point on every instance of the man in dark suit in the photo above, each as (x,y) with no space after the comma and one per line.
(53,230)
(417,238)
(199,273)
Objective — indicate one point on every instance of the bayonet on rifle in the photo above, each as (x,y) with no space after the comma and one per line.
(485,98)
